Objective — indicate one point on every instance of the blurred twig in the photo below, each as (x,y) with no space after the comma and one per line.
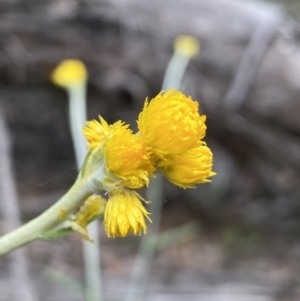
(72,75)
(251,59)
(185,48)
(91,251)
(175,236)
(21,283)
(148,244)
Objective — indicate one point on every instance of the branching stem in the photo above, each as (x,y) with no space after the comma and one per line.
(50,219)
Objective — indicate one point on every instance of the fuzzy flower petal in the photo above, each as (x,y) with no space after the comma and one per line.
(125,214)
(192,167)
(97,132)
(128,157)
(171,123)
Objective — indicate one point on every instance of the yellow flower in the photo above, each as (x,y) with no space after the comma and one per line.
(187,45)
(128,157)
(92,208)
(171,123)
(191,167)
(69,73)
(97,132)
(125,214)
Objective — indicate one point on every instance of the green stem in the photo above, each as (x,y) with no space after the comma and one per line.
(91,252)
(77,119)
(175,71)
(48,220)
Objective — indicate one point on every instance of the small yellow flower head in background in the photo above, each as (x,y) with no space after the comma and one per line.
(189,168)
(187,45)
(97,132)
(128,157)
(171,124)
(125,214)
(69,73)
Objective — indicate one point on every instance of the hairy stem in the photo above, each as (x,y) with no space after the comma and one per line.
(50,219)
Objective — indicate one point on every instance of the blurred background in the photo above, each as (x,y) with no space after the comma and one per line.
(236,238)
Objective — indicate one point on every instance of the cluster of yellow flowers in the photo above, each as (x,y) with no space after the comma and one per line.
(169,141)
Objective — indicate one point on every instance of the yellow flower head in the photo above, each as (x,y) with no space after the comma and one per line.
(97,132)
(187,45)
(192,167)
(93,207)
(128,157)
(125,214)
(69,73)
(171,123)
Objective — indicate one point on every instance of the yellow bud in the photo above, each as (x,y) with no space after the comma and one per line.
(97,132)
(171,124)
(125,214)
(128,157)
(191,167)
(187,45)
(93,207)
(69,73)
